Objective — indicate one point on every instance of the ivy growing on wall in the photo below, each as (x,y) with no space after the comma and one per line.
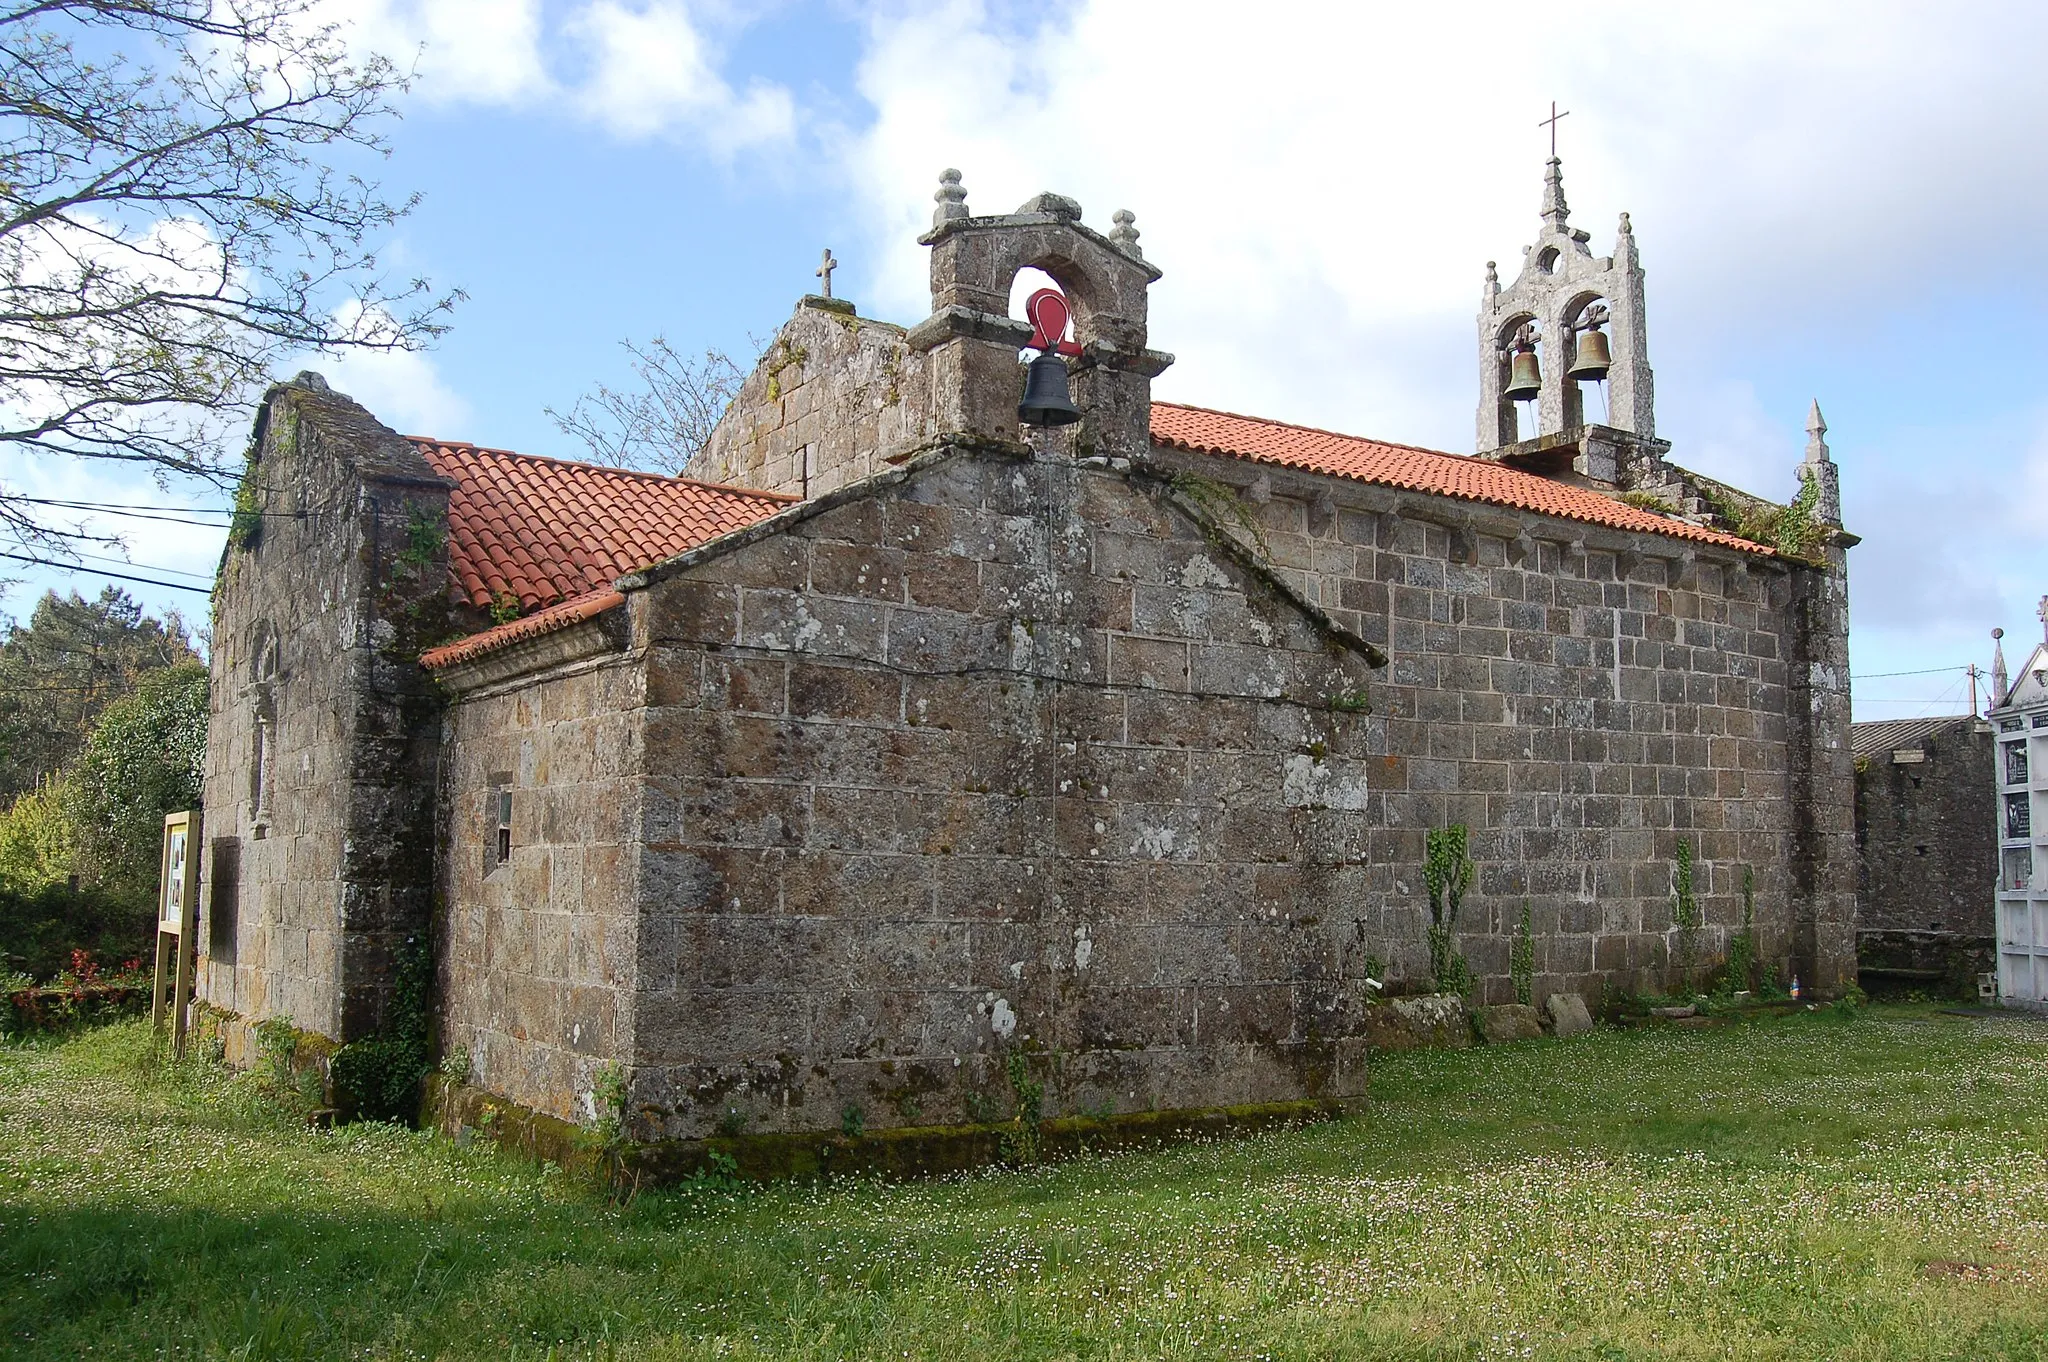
(1522,959)
(1685,913)
(378,1077)
(1446,874)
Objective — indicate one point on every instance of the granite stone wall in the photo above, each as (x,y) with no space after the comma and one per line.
(1581,699)
(539,945)
(1011,758)
(835,398)
(320,762)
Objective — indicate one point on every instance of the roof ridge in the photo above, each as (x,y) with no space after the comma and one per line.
(1469,481)
(667,478)
(1319,430)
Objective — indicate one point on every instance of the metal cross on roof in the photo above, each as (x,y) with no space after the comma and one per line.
(825,267)
(1552,123)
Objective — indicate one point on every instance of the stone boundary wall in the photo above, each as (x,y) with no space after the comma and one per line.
(1928,834)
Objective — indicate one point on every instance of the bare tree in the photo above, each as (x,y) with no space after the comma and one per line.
(667,421)
(173,223)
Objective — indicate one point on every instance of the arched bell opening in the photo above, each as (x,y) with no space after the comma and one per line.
(1040,299)
(1590,357)
(1026,283)
(1518,347)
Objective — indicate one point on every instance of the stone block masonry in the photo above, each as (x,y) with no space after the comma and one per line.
(323,737)
(939,776)
(1581,699)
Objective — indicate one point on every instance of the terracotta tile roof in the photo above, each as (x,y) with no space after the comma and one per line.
(1417,470)
(544,531)
(558,616)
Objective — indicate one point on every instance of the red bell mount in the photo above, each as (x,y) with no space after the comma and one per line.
(1050,318)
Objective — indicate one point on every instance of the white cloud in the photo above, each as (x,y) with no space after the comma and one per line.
(401,388)
(469,51)
(637,68)
(652,72)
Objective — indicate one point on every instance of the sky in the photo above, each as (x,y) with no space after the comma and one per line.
(1831,202)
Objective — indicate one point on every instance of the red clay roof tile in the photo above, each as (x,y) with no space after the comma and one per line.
(1417,470)
(556,617)
(548,530)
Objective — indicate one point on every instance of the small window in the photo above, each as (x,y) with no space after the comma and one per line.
(501,835)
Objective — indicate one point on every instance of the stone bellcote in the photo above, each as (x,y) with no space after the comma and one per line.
(1561,280)
(971,341)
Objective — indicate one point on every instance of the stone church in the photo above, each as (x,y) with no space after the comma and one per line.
(900,742)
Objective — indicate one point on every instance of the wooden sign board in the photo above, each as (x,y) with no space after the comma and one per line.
(177,906)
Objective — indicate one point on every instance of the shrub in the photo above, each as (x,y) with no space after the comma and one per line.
(39,929)
(37,841)
(142,761)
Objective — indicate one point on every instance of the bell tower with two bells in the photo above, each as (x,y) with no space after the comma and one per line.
(1569,329)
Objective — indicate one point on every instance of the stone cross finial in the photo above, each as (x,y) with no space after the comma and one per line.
(825,267)
(1492,278)
(1817,468)
(1124,234)
(1999,684)
(951,198)
(2042,615)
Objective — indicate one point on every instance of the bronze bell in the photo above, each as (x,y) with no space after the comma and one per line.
(1590,357)
(1046,399)
(1525,379)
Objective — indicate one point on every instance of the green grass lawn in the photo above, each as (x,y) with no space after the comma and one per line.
(1824,1185)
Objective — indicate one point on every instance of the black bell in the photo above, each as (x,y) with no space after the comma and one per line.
(1046,400)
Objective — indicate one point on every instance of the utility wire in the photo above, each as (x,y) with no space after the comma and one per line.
(122,506)
(99,572)
(147,567)
(1925,671)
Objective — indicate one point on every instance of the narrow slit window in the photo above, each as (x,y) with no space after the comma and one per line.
(501,837)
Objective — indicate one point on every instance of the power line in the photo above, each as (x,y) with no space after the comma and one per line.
(147,567)
(144,515)
(1926,671)
(122,506)
(101,572)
